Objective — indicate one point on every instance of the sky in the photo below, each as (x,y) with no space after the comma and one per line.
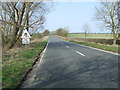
(72,15)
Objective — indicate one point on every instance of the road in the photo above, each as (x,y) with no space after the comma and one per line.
(69,65)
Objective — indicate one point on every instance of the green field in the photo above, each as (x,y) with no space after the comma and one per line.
(81,35)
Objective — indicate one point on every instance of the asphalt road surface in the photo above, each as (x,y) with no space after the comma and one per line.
(69,65)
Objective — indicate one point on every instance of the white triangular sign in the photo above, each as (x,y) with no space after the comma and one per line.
(25,34)
(25,37)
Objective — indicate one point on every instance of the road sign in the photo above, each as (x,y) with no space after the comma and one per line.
(25,37)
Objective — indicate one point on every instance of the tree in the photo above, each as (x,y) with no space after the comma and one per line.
(65,33)
(17,16)
(86,29)
(62,32)
(46,32)
(59,31)
(107,16)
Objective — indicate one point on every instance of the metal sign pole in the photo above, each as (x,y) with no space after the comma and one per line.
(25,46)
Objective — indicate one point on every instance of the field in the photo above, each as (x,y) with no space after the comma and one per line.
(81,35)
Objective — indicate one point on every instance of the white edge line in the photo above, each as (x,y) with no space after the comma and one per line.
(95,48)
(80,53)
(101,50)
(43,54)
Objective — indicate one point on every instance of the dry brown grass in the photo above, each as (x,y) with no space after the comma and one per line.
(22,47)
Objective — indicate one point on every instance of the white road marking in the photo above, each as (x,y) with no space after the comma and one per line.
(67,46)
(34,76)
(102,67)
(80,53)
(94,48)
(43,54)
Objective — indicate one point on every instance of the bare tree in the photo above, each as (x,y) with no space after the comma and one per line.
(86,29)
(16,16)
(107,16)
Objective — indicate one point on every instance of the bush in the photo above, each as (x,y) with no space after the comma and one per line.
(62,32)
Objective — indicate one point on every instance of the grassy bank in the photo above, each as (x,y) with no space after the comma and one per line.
(16,64)
(100,46)
(111,48)
(91,35)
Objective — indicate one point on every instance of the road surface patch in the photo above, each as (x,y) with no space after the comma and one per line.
(62,43)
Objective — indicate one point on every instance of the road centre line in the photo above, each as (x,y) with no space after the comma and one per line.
(95,48)
(34,76)
(67,46)
(80,53)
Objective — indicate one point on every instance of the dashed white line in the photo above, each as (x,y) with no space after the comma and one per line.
(94,48)
(34,76)
(80,53)
(67,46)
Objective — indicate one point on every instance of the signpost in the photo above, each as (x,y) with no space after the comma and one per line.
(25,37)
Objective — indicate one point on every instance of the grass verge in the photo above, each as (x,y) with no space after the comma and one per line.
(111,48)
(17,64)
(100,46)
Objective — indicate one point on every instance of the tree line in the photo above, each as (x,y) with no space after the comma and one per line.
(62,32)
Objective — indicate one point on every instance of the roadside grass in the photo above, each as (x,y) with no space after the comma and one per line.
(111,48)
(100,46)
(17,64)
(90,35)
